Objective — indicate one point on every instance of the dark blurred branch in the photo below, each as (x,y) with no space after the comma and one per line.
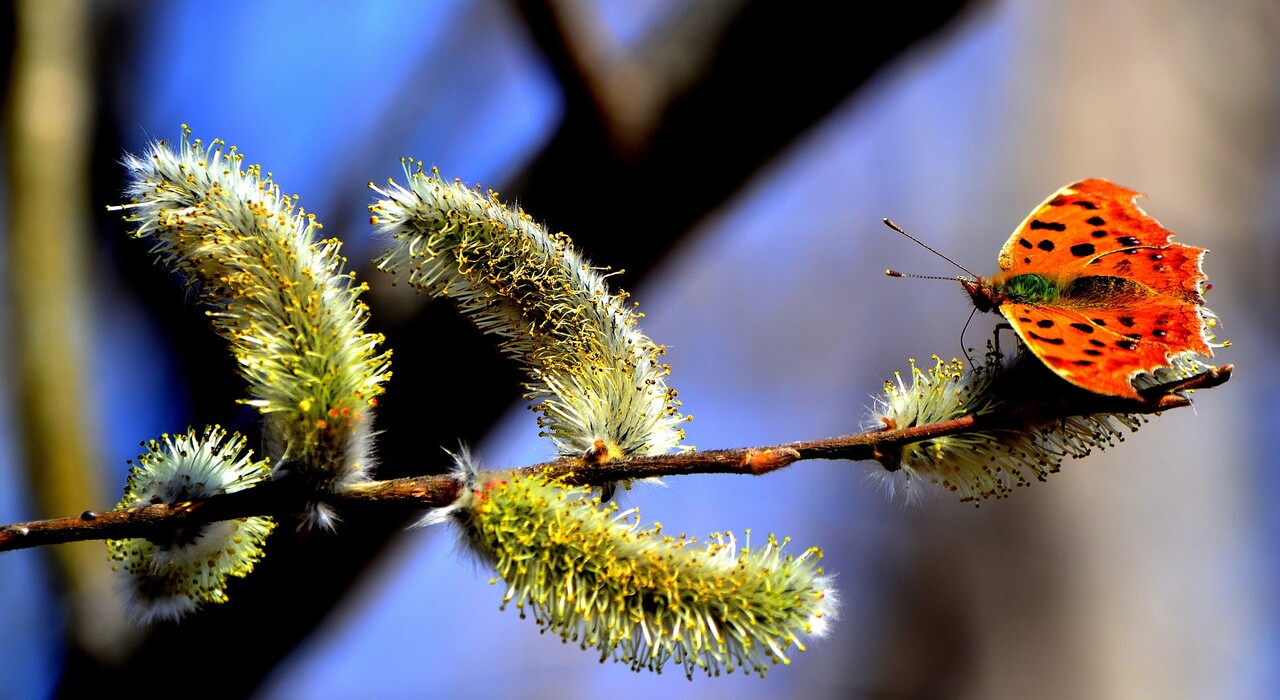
(630,87)
(759,75)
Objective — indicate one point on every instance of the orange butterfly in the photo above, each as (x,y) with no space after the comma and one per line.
(1095,289)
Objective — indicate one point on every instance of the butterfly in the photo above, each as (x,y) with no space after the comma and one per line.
(1094,287)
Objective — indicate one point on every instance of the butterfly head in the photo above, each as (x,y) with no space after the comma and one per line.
(984,295)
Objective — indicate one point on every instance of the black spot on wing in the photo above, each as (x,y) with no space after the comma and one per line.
(1080,250)
(1024,243)
(1046,245)
(1097,343)
(1127,344)
(1099,234)
(1051,341)
(1126,321)
(1085,204)
(1095,221)
(1037,225)
(1082,327)
(1045,323)
(1128,240)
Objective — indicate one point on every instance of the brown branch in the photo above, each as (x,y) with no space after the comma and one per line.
(282,498)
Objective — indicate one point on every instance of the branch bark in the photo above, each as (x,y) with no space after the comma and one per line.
(285,498)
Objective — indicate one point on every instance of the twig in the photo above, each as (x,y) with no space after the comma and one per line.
(284,498)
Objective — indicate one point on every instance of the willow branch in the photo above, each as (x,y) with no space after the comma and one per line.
(284,498)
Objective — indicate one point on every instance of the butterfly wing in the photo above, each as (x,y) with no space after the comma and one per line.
(1095,227)
(1103,349)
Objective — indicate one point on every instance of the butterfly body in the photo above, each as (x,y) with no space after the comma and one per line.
(1096,289)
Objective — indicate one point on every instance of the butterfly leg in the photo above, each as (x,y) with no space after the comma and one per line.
(994,346)
(968,358)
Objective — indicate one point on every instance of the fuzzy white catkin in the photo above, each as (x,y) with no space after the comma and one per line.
(981,464)
(167,580)
(601,382)
(279,295)
(589,574)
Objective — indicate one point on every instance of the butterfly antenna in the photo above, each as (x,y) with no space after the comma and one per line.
(924,245)
(895,273)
